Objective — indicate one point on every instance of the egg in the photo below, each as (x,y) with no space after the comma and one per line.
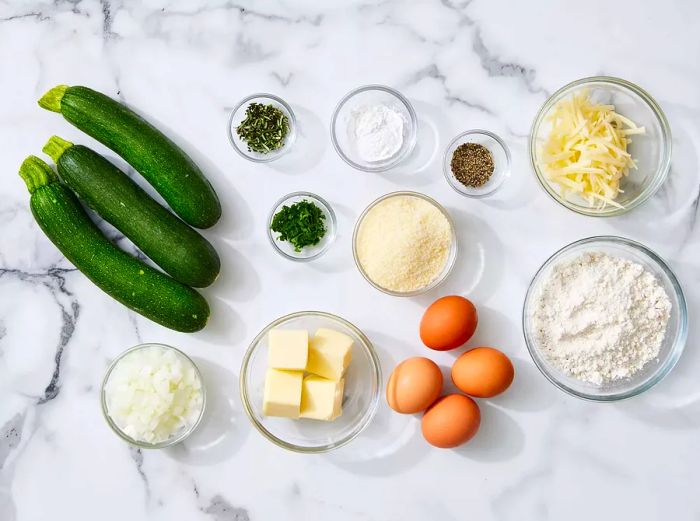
(448,323)
(483,372)
(451,421)
(414,385)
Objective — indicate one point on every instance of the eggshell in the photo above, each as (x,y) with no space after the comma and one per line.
(448,323)
(413,385)
(451,421)
(483,372)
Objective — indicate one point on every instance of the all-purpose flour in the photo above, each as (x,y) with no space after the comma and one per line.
(377,131)
(600,318)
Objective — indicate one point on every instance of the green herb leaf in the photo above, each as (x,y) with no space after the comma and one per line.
(264,128)
(301,224)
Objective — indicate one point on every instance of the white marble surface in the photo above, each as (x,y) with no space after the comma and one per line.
(539,455)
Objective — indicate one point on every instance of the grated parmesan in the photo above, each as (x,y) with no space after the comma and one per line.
(585,153)
(403,243)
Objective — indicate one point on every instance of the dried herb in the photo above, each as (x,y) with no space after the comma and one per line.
(300,224)
(264,128)
(472,164)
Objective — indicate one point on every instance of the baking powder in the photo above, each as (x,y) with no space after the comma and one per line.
(377,132)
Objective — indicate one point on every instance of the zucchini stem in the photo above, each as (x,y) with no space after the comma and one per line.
(36,173)
(55,147)
(52,99)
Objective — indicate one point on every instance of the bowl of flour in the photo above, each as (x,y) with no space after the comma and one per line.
(374,128)
(605,319)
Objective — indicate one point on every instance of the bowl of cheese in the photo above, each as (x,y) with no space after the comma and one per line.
(601,146)
(310,382)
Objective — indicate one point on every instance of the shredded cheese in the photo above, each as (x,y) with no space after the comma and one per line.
(585,153)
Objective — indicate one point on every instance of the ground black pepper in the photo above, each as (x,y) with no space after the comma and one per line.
(472,164)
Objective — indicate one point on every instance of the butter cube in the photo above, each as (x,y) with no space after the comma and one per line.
(321,399)
(330,353)
(288,349)
(282,395)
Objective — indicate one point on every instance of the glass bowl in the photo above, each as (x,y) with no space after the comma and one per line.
(177,437)
(449,264)
(364,96)
(238,115)
(652,151)
(501,162)
(360,397)
(307,253)
(673,343)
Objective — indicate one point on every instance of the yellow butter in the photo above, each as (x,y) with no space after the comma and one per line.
(330,353)
(321,399)
(288,349)
(282,395)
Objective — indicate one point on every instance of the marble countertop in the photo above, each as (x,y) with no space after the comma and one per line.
(540,454)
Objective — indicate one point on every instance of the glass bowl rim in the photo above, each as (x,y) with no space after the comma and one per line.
(291,137)
(412,125)
(316,198)
(666,144)
(363,422)
(678,344)
(115,428)
(454,247)
(481,132)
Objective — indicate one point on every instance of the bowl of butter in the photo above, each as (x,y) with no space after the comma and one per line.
(310,382)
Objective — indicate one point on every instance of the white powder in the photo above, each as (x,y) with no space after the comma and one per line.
(600,318)
(377,132)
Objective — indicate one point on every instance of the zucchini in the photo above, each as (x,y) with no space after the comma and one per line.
(133,283)
(164,165)
(170,243)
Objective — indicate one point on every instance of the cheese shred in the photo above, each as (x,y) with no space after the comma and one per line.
(585,153)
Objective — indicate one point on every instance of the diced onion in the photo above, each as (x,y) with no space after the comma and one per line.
(585,152)
(153,393)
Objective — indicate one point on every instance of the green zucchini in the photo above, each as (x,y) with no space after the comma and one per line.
(164,165)
(133,283)
(170,243)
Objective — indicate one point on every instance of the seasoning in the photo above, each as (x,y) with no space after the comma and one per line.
(403,243)
(301,224)
(264,128)
(472,164)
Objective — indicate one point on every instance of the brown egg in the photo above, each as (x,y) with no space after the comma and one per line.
(483,372)
(451,421)
(448,323)
(413,385)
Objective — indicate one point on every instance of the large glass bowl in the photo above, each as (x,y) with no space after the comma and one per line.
(360,397)
(449,263)
(176,437)
(366,96)
(652,151)
(673,343)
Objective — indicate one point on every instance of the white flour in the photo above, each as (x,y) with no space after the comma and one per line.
(599,318)
(377,131)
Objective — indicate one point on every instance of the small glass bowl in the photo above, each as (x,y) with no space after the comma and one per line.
(361,394)
(177,437)
(652,150)
(673,343)
(499,153)
(286,249)
(449,263)
(238,115)
(372,95)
